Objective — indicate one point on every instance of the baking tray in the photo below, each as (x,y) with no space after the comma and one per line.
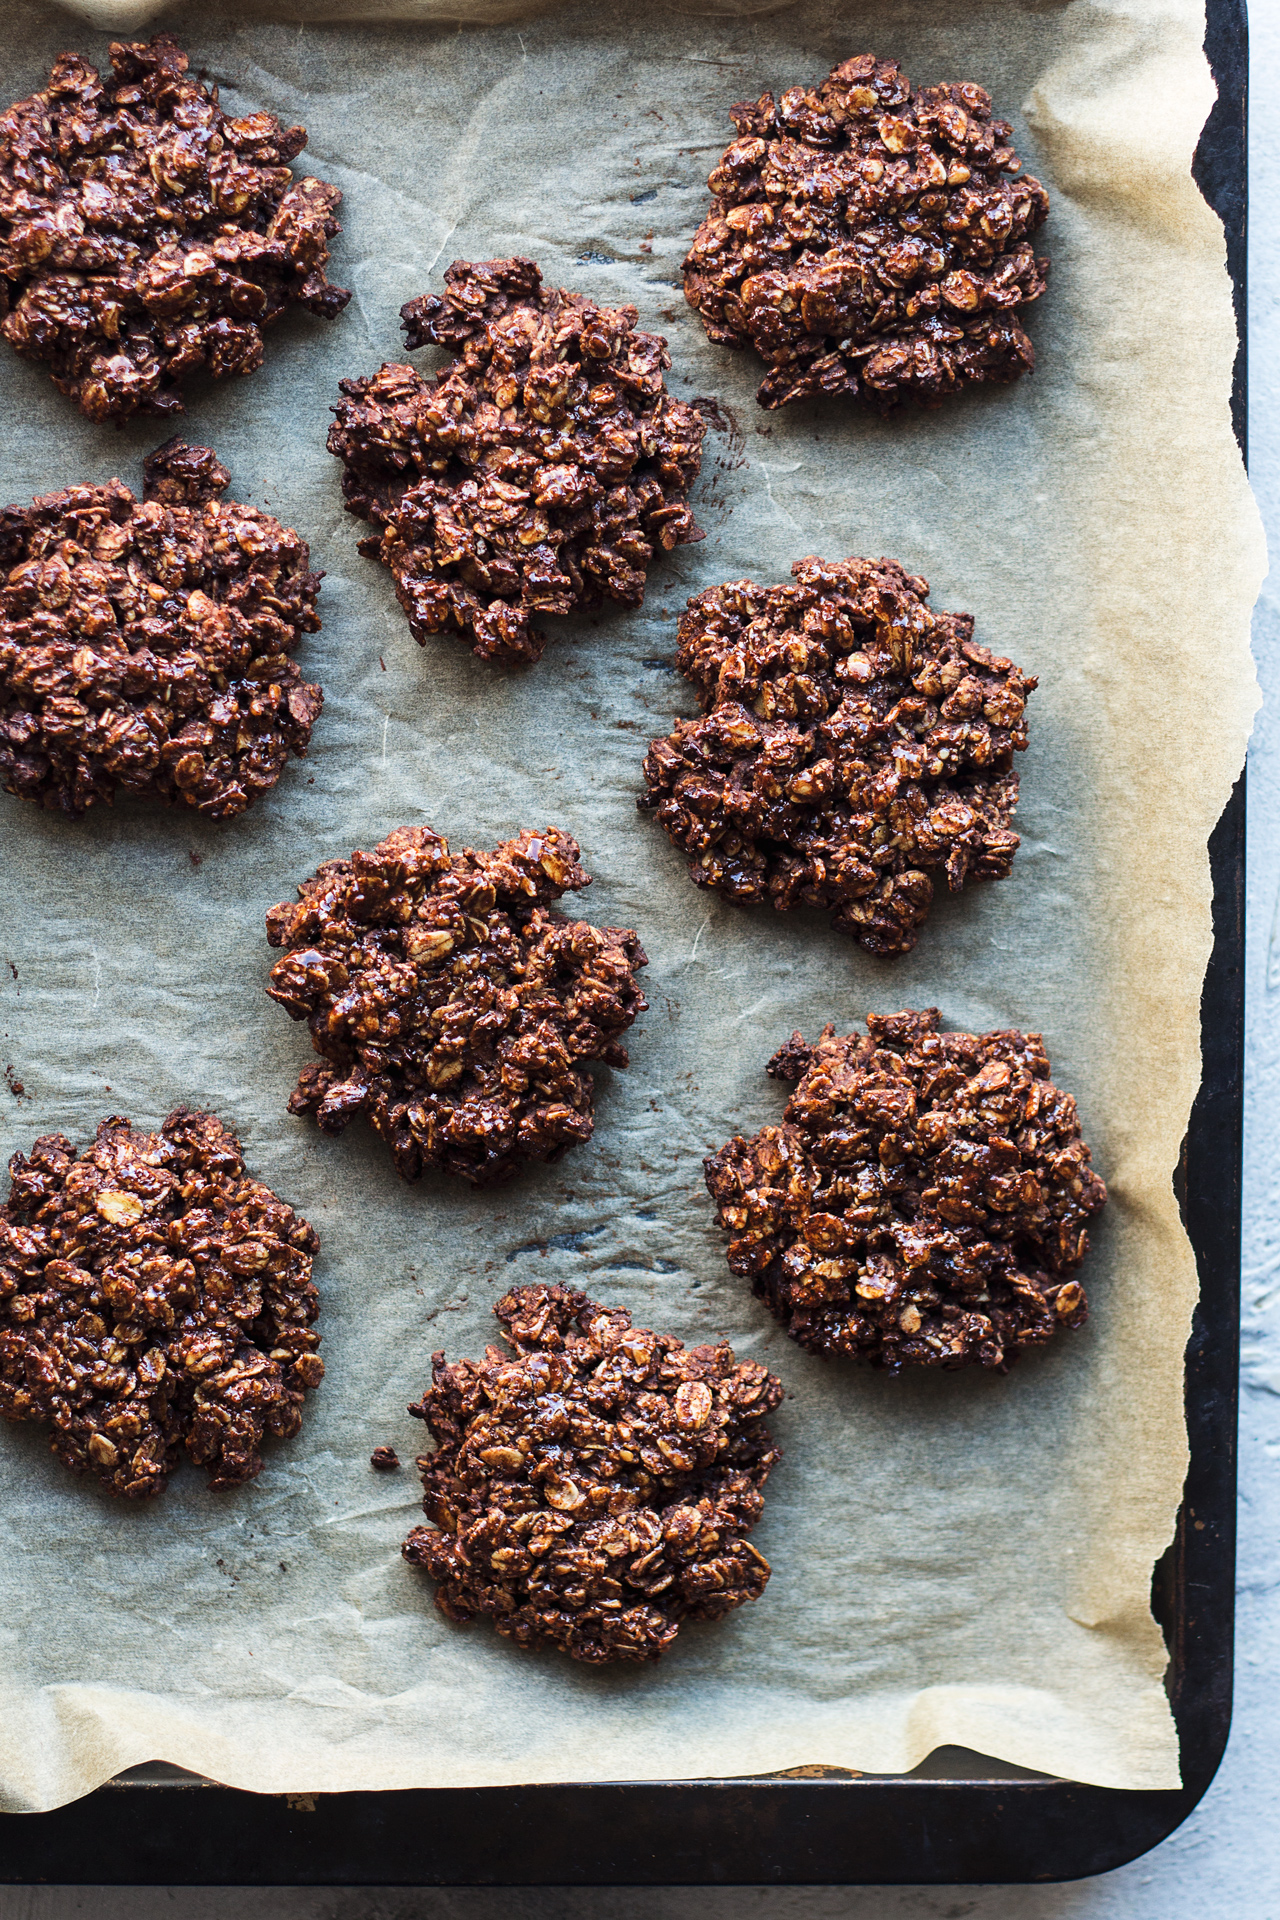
(958,1817)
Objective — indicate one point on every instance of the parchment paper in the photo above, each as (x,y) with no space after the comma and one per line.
(956,1559)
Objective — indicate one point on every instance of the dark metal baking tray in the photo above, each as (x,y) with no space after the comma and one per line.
(958,1816)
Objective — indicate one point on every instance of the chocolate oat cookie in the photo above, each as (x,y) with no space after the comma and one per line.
(923,1202)
(144,235)
(539,473)
(144,646)
(853,743)
(593,1492)
(154,1297)
(453,1006)
(870,238)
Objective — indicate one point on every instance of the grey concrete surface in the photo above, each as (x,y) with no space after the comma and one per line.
(1224,1863)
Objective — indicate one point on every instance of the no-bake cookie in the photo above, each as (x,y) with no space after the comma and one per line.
(145,645)
(155,1299)
(870,238)
(540,473)
(854,743)
(144,235)
(593,1491)
(453,1006)
(924,1201)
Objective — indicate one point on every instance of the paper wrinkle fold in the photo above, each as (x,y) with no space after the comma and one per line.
(957,1559)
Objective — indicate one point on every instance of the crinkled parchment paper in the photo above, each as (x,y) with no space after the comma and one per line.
(956,1559)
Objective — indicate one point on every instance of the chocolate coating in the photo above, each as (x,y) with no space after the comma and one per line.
(154,1299)
(453,1006)
(144,235)
(541,472)
(145,645)
(853,743)
(923,1203)
(594,1491)
(870,238)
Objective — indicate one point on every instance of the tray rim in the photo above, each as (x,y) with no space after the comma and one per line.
(992,1826)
